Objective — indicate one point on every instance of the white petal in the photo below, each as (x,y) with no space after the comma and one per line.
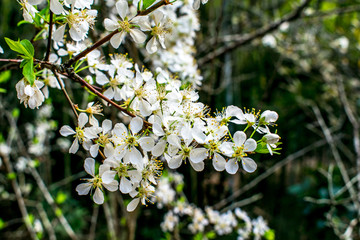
(175,162)
(122,8)
(74,146)
(125,185)
(174,140)
(135,176)
(112,186)
(109,93)
(198,135)
(110,25)
(83,119)
(157,129)
(137,35)
(232,111)
(117,39)
(76,34)
(218,162)
(196,4)
(106,125)
(98,196)
(248,164)
(83,188)
(227,148)
(250,145)
(147,143)
(66,131)
(120,130)
(101,78)
(151,45)
(89,166)
(198,155)
(133,204)
(136,125)
(58,35)
(56,7)
(135,157)
(158,16)
(145,108)
(94,150)
(29,90)
(197,166)
(108,176)
(232,166)
(239,138)
(159,148)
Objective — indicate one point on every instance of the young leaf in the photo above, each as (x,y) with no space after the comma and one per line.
(5,76)
(15,46)
(28,71)
(147,3)
(28,46)
(24,47)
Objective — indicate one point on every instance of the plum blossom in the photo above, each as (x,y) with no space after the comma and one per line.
(124,25)
(238,150)
(30,95)
(79,132)
(158,32)
(96,182)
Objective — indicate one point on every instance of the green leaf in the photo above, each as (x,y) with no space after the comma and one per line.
(15,112)
(270,234)
(11,176)
(5,76)
(261,148)
(61,197)
(28,46)
(15,46)
(2,90)
(24,47)
(211,235)
(28,71)
(147,3)
(2,224)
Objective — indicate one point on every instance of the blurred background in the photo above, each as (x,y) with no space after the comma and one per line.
(298,58)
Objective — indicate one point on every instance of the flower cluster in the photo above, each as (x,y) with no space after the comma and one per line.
(168,122)
(209,220)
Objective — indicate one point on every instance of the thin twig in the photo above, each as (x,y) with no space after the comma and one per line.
(52,203)
(19,198)
(45,220)
(354,120)
(243,202)
(65,93)
(94,217)
(331,142)
(241,40)
(268,172)
(109,221)
(48,49)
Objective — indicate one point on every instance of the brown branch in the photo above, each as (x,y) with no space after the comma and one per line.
(152,8)
(109,36)
(240,40)
(48,49)
(91,48)
(69,72)
(77,78)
